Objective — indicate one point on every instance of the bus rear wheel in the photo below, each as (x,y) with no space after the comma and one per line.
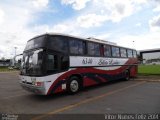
(73,85)
(127,75)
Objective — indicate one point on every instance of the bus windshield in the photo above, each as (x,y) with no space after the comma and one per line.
(32,63)
(35,43)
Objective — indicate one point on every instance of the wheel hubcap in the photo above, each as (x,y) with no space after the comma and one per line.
(74,86)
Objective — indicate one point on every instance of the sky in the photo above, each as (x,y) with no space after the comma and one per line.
(129,23)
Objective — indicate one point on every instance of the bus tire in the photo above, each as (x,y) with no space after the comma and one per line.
(73,85)
(127,75)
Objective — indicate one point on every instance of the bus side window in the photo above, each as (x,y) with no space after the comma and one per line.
(81,47)
(52,63)
(123,52)
(93,49)
(134,54)
(90,48)
(129,52)
(97,49)
(107,51)
(73,47)
(58,43)
(77,47)
(115,51)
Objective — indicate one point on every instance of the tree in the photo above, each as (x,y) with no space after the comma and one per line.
(3,58)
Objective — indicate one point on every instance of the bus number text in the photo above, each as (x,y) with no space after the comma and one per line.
(87,61)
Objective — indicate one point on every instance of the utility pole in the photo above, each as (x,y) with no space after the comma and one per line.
(15,50)
(14,58)
(133,44)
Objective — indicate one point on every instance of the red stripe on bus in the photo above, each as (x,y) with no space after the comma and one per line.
(87,81)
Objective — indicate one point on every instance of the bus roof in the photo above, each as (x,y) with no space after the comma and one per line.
(87,39)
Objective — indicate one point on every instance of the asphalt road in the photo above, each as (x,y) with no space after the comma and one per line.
(138,96)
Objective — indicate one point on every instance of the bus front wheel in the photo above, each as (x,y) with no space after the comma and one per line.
(73,85)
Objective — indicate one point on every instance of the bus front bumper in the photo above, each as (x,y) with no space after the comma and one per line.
(32,88)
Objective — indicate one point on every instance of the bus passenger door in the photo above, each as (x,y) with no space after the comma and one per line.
(57,64)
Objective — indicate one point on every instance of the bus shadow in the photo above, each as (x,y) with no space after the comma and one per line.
(65,94)
(108,83)
(48,97)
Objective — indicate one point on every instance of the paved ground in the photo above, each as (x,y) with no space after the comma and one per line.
(141,95)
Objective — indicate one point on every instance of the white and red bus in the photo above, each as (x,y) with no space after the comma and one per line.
(54,63)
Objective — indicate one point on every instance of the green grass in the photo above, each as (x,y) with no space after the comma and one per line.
(142,69)
(149,69)
(5,69)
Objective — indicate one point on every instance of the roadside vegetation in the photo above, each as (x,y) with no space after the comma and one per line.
(149,69)
(142,69)
(6,69)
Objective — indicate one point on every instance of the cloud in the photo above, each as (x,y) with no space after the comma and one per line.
(157,9)
(40,3)
(76,4)
(140,42)
(91,20)
(138,24)
(1,16)
(157,1)
(103,36)
(68,27)
(60,28)
(107,10)
(116,10)
(156,5)
(154,23)
(15,20)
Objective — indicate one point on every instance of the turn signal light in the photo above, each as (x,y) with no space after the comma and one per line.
(39,83)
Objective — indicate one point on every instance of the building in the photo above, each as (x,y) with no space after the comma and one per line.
(150,56)
(5,63)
